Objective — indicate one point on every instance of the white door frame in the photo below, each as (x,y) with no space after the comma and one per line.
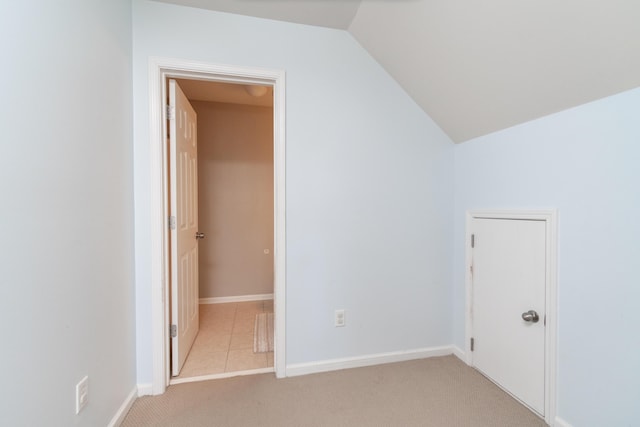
(161,69)
(551,219)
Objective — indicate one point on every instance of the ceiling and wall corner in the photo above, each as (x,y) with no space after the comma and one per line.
(333,14)
(479,67)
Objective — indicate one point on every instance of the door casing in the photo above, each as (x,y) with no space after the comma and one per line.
(550,217)
(160,70)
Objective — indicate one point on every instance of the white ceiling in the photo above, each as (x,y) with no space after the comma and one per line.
(229,93)
(481,66)
(323,13)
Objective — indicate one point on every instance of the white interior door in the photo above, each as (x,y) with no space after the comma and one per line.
(183,173)
(508,281)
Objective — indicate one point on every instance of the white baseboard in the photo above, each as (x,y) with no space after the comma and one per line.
(118,418)
(459,353)
(559,422)
(369,360)
(239,298)
(145,390)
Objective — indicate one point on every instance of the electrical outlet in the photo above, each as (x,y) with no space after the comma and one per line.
(339,318)
(82,394)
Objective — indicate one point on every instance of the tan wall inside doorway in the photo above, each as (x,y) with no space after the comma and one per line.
(235,180)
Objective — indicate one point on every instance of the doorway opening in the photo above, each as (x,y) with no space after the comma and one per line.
(234,198)
(161,72)
(511,303)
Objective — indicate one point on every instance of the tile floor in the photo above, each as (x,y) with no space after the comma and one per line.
(225,341)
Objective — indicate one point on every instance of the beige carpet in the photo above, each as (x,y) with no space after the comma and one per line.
(263,333)
(440,391)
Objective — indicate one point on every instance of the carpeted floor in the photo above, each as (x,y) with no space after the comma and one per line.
(440,391)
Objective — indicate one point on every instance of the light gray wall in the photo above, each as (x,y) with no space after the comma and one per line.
(235,199)
(369,185)
(67,294)
(584,162)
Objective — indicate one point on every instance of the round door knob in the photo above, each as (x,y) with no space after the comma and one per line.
(199,235)
(530,316)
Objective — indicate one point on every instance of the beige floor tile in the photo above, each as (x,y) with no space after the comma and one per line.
(217,317)
(225,340)
(213,311)
(222,314)
(241,341)
(206,308)
(250,306)
(217,326)
(212,341)
(246,315)
(213,363)
(220,308)
(244,324)
(242,360)
(200,351)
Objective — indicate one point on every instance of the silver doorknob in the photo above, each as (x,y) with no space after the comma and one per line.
(199,235)
(530,316)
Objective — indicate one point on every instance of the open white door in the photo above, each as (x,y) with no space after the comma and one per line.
(508,309)
(183,188)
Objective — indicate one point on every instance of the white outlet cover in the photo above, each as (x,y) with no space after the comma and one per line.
(339,318)
(82,394)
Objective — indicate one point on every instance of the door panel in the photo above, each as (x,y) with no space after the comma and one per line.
(183,175)
(508,279)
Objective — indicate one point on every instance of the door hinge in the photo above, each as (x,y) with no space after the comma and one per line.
(473,240)
(172,222)
(171,112)
(173,330)
(473,344)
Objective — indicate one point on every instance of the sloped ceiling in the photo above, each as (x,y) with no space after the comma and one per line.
(478,67)
(323,13)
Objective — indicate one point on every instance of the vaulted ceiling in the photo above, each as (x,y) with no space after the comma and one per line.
(478,67)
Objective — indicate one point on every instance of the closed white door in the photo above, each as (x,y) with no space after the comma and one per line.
(508,305)
(183,173)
